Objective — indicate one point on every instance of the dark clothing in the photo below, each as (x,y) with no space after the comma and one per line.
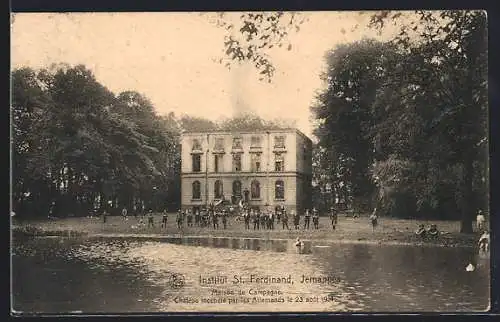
(296,221)
(215,220)
(247,221)
(179,219)
(316,222)
(164,220)
(333,219)
(224,221)
(256,222)
(284,220)
(307,220)
(151,221)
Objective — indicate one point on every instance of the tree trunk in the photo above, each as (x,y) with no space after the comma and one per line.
(467,196)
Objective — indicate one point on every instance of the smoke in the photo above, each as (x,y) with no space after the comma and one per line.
(239,92)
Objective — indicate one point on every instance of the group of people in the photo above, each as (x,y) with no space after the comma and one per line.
(252,218)
(203,218)
(269,219)
(430,232)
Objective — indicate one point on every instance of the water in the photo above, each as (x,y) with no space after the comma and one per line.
(56,275)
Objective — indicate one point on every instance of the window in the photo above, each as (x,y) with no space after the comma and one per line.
(237,189)
(279,141)
(237,162)
(255,189)
(279,162)
(218,163)
(196,145)
(196,162)
(255,166)
(196,190)
(219,144)
(279,190)
(255,142)
(218,189)
(237,143)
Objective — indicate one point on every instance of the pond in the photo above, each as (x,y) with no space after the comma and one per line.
(106,275)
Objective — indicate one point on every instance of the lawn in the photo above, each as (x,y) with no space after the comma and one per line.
(348,229)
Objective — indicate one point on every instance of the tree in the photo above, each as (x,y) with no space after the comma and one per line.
(252,34)
(455,44)
(344,114)
(79,145)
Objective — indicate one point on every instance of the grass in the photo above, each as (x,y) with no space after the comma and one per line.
(389,230)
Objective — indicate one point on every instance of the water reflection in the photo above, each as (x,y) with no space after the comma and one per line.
(134,275)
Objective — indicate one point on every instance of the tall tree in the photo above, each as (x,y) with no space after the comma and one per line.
(455,44)
(344,114)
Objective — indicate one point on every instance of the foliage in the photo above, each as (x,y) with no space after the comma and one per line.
(345,117)
(242,122)
(410,115)
(251,35)
(79,145)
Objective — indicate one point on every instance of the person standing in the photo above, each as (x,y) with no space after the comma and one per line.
(104,216)
(315,218)
(264,220)
(124,213)
(374,219)
(307,219)
(164,219)
(333,217)
(179,218)
(296,220)
(284,220)
(256,220)
(246,218)
(189,218)
(480,220)
(224,219)
(150,219)
(215,219)
(197,218)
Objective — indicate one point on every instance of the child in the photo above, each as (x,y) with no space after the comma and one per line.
(374,219)
(333,217)
(189,218)
(480,220)
(315,219)
(296,221)
(164,220)
(284,219)
(484,242)
(307,219)
(179,219)
(224,219)
(421,231)
(150,219)
(433,231)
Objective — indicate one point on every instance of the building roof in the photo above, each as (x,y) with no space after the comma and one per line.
(246,132)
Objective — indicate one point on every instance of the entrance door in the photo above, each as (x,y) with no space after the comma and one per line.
(236,190)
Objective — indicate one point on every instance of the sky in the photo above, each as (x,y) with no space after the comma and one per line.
(172,59)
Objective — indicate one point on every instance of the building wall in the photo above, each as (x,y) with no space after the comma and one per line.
(296,176)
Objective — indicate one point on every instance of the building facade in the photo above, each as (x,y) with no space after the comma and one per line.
(263,169)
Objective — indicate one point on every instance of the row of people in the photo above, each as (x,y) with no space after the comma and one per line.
(259,219)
